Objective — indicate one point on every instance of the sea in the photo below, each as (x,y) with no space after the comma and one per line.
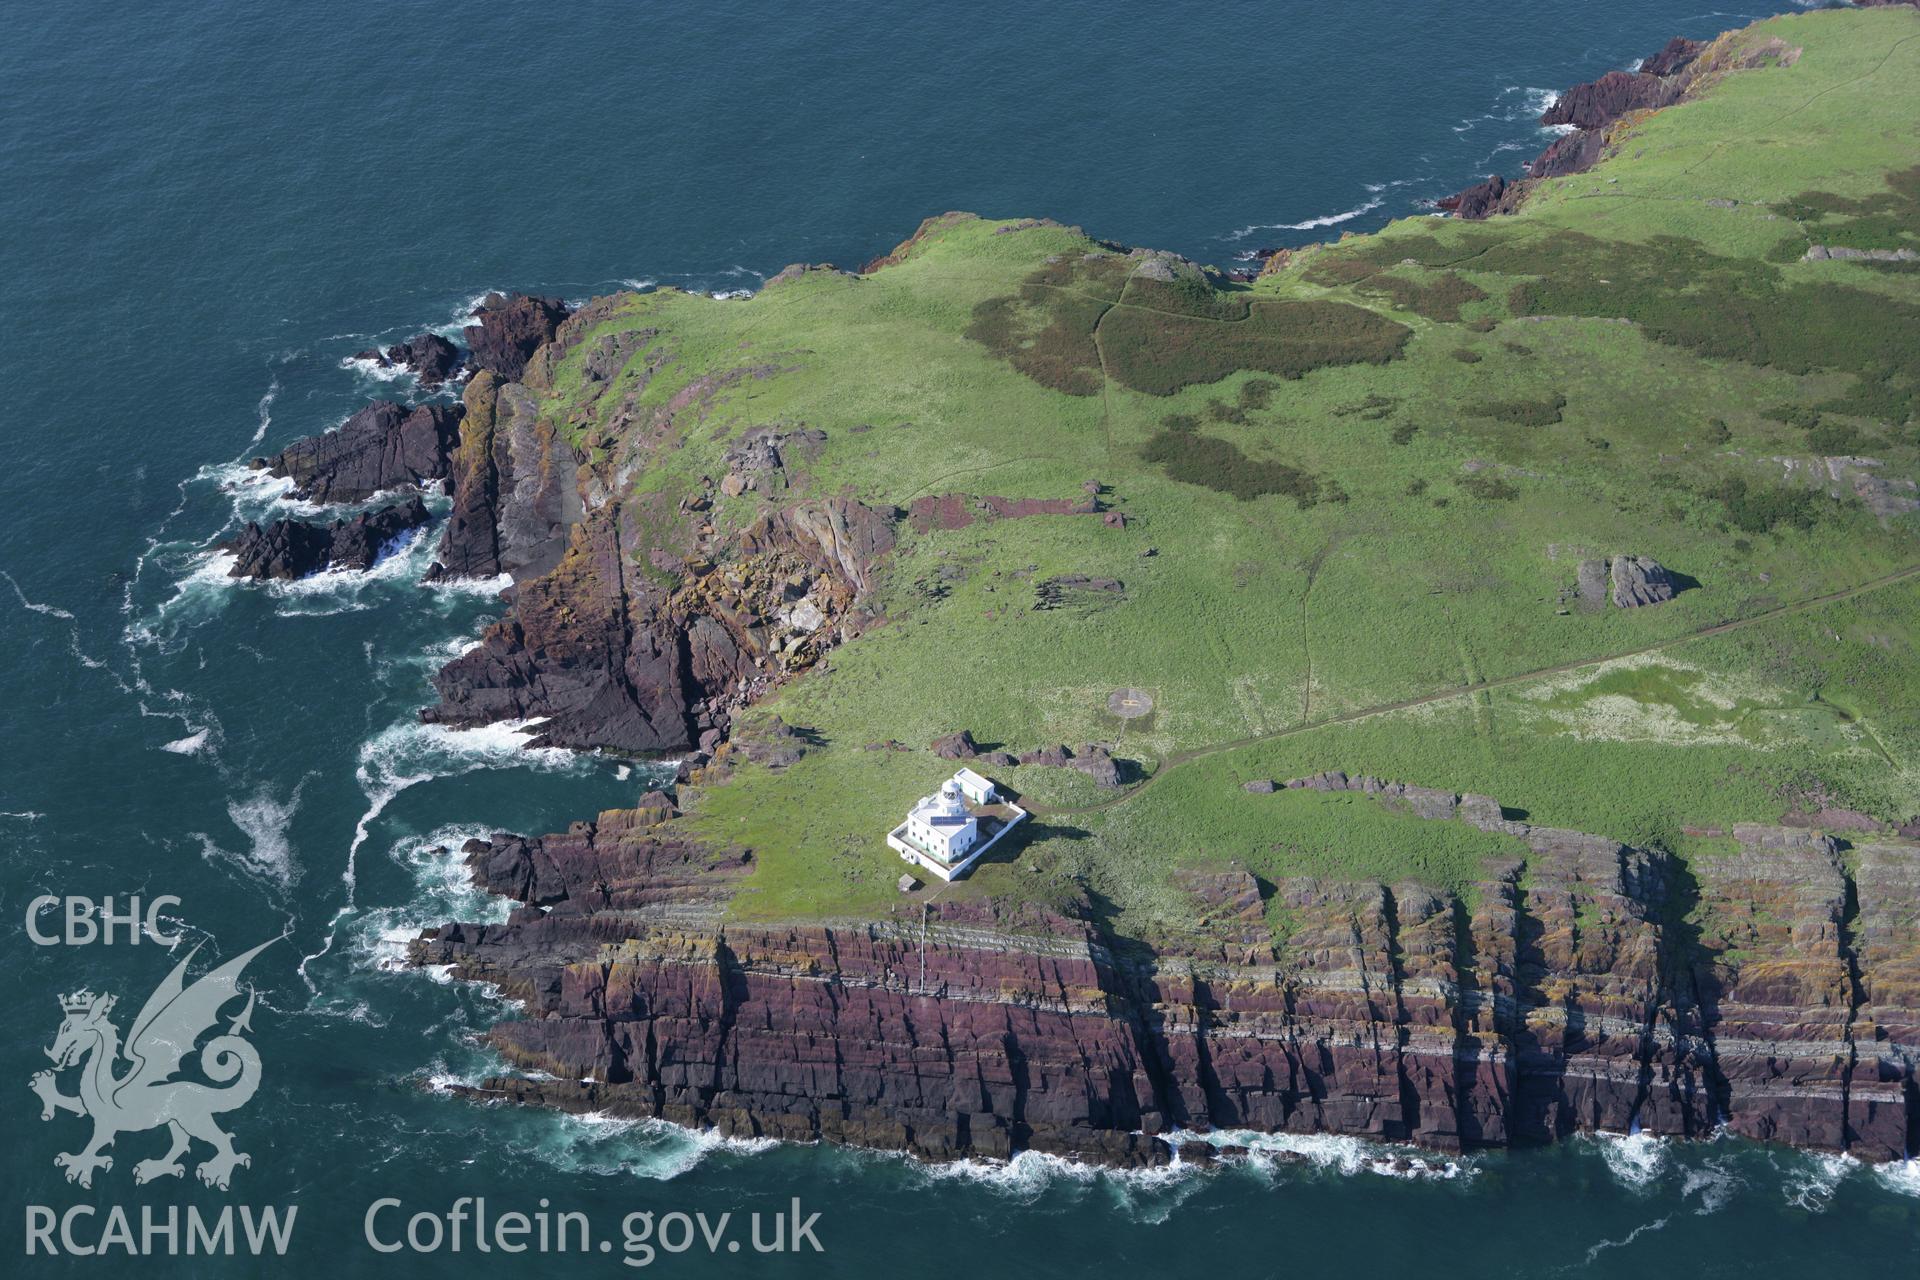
(207,209)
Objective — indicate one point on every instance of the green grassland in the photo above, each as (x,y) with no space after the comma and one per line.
(1366,481)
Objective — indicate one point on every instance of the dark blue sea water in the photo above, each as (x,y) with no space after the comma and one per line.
(204,209)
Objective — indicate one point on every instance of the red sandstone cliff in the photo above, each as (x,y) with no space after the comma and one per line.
(1774,990)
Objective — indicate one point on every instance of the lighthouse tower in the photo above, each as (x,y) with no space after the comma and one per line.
(941,825)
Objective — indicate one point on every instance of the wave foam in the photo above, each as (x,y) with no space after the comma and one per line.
(597,1143)
(1310,224)
(35,606)
(190,745)
(1635,1160)
(263,413)
(1812,1177)
(1714,1183)
(1901,1177)
(263,819)
(1336,1153)
(472,586)
(1625,1240)
(410,753)
(443,891)
(374,370)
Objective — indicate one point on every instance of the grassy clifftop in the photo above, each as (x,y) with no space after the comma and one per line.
(1352,501)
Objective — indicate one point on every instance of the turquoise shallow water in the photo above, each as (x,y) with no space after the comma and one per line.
(204,213)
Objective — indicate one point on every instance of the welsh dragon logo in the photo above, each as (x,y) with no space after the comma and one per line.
(145,1095)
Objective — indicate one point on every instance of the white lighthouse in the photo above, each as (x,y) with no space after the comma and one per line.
(941,825)
(948,831)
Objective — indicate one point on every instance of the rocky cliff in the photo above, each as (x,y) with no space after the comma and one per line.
(634,627)
(1773,989)
(1587,112)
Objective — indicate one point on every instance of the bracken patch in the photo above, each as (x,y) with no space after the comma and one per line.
(1525,413)
(1191,458)
(1158,353)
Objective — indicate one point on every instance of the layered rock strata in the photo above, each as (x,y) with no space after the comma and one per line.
(1580,985)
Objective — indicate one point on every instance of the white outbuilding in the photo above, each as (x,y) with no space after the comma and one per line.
(974,787)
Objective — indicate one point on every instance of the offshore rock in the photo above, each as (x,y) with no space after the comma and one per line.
(383,446)
(287,549)
(428,356)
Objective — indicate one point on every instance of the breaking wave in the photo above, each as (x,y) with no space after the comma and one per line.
(1145,1195)
(1810,1179)
(1335,1153)
(206,584)
(443,891)
(1636,1160)
(407,754)
(1310,224)
(410,753)
(596,1143)
(1152,1194)
(375,371)
(1513,105)
(1901,1177)
(190,745)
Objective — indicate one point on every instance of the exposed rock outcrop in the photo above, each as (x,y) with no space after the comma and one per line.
(1483,199)
(1600,102)
(383,446)
(1627,581)
(1639,581)
(955,746)
(508,330)
(1574,152)
(514,486)
(606,656)
(1588,109)
(1570,990)
(1675,56)
(428,356)
(1840,253)
(287,549)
